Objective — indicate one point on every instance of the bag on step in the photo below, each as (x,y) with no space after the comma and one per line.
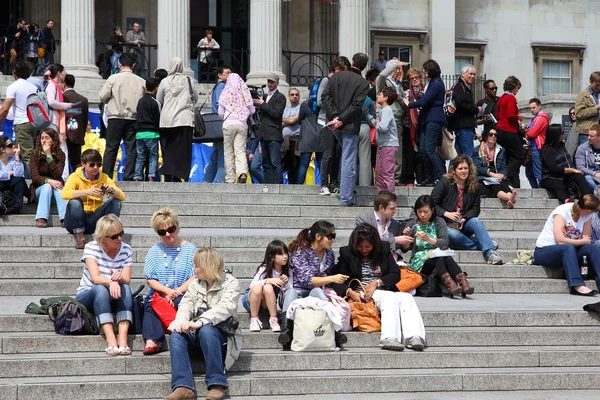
(71,318)
(138,311)
(432,286)
(9,203)
(313,331)
(365,316)
(164,311)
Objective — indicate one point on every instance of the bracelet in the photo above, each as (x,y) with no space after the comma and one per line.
(45,181)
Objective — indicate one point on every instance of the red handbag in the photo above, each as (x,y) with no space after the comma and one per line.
(164,310)
(373,135)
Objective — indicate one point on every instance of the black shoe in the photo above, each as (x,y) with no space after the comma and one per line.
(340,339)
(590,294)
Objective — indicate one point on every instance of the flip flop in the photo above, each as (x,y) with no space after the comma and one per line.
(124,351)
(112,351)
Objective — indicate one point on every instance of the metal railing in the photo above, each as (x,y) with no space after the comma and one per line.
(476,87)
(28,50)
(237,59)
(303,67)
(107,58)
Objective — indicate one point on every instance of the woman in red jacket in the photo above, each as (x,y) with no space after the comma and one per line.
(508,127)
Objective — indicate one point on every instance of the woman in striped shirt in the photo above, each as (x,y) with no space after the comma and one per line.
(169,269)
(104,287)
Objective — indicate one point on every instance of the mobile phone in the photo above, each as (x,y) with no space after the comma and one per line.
(413,230)
(104,188)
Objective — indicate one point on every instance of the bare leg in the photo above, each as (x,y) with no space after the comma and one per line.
(123,329)
(254,298)
(270,300)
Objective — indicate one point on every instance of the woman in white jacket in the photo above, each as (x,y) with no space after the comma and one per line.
(206,45)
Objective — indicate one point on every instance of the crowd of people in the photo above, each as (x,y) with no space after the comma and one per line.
(29,42)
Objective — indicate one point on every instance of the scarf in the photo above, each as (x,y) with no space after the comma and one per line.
(414,115)
(489,154)
(235,98)
(178,82)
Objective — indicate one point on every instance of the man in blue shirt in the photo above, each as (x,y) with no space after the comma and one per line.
(216,167)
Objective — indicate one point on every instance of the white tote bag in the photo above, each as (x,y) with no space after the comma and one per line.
(447,150)
(313,331)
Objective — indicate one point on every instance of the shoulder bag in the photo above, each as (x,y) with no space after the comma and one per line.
(447,150)
(313,331)
(199,125)
(365,316)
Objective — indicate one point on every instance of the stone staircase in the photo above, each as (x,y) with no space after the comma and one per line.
(520,336)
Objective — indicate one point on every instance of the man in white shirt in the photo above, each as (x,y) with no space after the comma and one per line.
(16,97)
(290,124)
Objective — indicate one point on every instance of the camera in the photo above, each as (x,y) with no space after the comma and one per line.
(257,92)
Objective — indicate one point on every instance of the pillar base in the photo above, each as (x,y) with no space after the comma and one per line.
(83,71)
(259,78)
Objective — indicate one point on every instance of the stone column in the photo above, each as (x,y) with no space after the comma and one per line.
(265,41)
(77,47)
(174,34)
(442,33)
(354,27)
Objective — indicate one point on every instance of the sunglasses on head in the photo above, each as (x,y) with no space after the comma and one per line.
(95,164)
(170,230)
(330,236)
(116,235)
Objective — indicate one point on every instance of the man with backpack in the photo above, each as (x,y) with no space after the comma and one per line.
(16,96)
(462,122)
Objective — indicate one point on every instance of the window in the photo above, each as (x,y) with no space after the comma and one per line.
(556,77)
(402,53)
(460,62)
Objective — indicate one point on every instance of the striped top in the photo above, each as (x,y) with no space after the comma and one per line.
(171,266)
(94,251)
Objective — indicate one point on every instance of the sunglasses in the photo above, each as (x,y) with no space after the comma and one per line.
(170,230)
(330,236)
(294,94)
(9,146)
(492,134)
(95,164)
(493,89)
(572,113)
(116,235)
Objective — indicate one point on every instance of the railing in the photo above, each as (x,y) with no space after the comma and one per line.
(303,68)
(237,59)
(476,86)
(28,50)
(107,58)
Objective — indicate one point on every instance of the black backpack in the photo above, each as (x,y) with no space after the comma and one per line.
(9,203)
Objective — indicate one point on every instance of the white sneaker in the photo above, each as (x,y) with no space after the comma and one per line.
(274,322)
(324,191)
(255,324)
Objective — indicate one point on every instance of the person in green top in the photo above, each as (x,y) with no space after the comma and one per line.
(431,232)
(147,136)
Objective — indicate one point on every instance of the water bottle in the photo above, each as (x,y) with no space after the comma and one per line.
(584,268)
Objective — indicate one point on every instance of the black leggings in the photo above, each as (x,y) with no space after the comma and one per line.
(513,144)
(560,187)
(443,265)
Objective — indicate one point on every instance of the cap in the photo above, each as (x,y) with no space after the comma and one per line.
(382,52)
(273,77)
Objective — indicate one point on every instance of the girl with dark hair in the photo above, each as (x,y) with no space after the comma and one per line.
(457,200)
(431,120)
(430,232)
(12,169)
(370,260)
(558,169)
(272,277)
(46,166)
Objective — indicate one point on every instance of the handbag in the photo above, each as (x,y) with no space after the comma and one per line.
(341,306)
(365,316)
(227,327)
(409,280)
(313,331)
(164,311)
(526,152)
(199,126)
(447,150)
(138,311)
(373,135)
(431,286)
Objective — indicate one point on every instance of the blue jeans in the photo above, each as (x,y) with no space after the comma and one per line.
(462,239)
(271,161)
(533,170)
(152,328)
(464,141)
(146,148)
(256,166)
(211,344)
(114,63)
(98,301)
(591,182)
(304,163)
(44,195)
(431,137)
(569,257)
(216,167)
(581,140)
(76,220)
(349,143)
(294,294)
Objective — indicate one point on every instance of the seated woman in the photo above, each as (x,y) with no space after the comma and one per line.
(46,168)
(311,258)
(195,329)
(370,260)
(596,220)
(430,233)
(11,174)
(273,277)
(457,200)
(104,287)
(489,160)
(566,239)
(558,169)
(169,270)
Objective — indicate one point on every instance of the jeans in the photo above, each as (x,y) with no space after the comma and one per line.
(44,195)
(118,129)
(216,167)
(464,141)
(533,170)
(431,137)
(569,257)
(462,239)
(256,166)
(294,294)
(330,163)
(76,220)
(271,161)
(303,166)
(349,143)
(145,148)
(591,182)
(211,343)
(152,328)
(114,63)
(98,301)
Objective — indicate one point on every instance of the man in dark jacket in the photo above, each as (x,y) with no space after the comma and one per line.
(271,116)
(463,120)
(147,135)
(343,99)
(47,39)
(77,119)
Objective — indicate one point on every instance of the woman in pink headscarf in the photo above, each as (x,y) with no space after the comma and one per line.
(235,106)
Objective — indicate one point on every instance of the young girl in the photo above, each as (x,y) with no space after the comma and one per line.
(272,277)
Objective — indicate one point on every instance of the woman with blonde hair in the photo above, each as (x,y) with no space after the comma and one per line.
(104,287)
(211,299)
(169,270)
(457,200)
(409,142)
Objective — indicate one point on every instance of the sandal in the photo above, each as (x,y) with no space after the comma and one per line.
(242,178)
(112,351)
(124,351)
(41,223)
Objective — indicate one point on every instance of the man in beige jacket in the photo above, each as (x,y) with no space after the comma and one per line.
(121,93)
(587,106)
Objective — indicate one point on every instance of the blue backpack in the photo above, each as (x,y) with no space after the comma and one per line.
(312,96)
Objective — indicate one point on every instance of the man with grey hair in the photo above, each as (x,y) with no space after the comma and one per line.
(462,122)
